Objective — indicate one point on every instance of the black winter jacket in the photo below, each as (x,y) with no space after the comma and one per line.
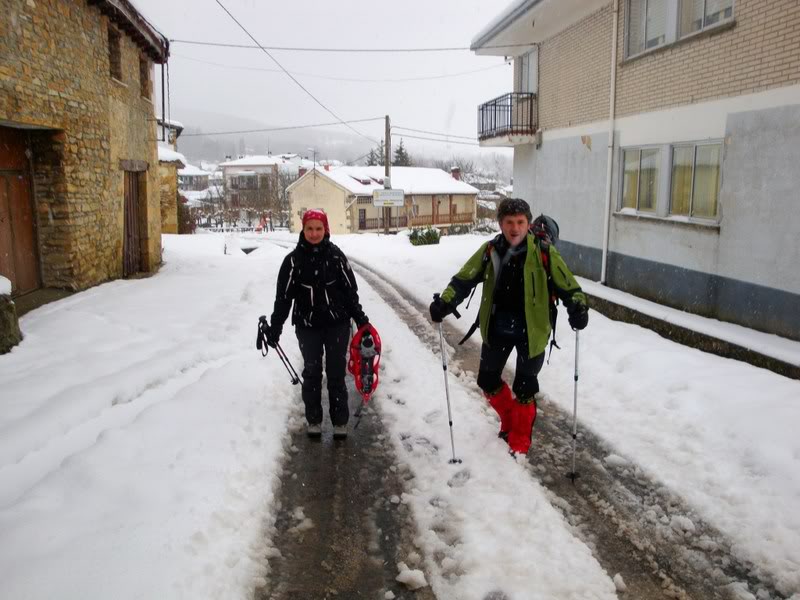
(320,282)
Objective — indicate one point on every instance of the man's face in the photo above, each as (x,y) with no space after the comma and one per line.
(514,228)
(314,231)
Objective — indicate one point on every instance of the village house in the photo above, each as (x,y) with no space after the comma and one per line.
(250,181)
(78,159)
(193,179)
(170,162)
(664,137)
(432,198)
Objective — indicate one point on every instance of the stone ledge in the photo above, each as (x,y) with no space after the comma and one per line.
(688,337)
(10,335)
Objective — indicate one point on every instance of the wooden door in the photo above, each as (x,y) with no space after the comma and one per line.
(19,258)
(131,250)
(362,218)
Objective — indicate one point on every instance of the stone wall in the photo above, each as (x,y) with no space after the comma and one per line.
(55,75)
(168,174)
(10,334)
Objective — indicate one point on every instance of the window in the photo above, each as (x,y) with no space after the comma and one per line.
(695,180)
(648,24)
(654,23)
(114,56)
(526,72)
(364,200)
(640,178)
(144,76)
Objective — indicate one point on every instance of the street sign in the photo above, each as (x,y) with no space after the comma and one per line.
(388,197)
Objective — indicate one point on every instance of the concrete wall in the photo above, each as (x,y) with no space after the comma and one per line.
(54,74)
(315,191)
(742,268)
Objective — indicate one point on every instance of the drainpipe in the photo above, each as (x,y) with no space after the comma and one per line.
(610,159)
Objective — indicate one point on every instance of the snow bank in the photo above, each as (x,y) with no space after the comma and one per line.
(5,286)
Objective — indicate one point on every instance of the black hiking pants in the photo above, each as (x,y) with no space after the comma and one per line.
(333,341)
(494,357)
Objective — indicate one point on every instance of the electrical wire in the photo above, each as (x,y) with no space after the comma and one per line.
(416,137)
(285,128)
(465,137)
(352,79)
(301,49)
(312,96)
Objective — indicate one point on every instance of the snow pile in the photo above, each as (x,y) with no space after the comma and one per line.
(142,436)
(413,579)
(5,286)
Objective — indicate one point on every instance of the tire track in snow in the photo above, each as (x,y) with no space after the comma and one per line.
(635,526)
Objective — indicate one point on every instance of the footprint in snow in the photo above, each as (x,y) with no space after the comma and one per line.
(432,416)
(459,479)
(496,595)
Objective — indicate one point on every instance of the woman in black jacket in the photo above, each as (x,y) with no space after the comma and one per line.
(318,279)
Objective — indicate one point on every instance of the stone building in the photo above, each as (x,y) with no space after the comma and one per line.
(664,137)
(170,163)
(78,160)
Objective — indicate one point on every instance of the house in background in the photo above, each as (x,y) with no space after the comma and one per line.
(190,178)
(432,197)
(250,181)
(664,137)
(77,143)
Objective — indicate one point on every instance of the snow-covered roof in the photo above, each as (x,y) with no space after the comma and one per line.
(253,161)
(488,204)
(192,171)
(360,181)
(169,155)
(511,32)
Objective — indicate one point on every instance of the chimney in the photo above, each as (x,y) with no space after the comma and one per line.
(327,167)
(456,173)
(301,171)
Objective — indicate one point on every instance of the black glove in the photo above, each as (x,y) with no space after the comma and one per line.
(440,309)
(578,316)
(273,334)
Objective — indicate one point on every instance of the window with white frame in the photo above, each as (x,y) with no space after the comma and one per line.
(640,178)
(527,66)
(695,180)
(689,188)
(654,23)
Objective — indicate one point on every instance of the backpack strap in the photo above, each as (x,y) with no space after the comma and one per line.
(544,248)
(487,256)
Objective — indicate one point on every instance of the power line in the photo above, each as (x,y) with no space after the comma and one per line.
(353,79)
(285,128)
(301,49)
(416,137)
(302,87)
(465,137)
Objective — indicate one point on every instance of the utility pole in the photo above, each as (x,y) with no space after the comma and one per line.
(387,210)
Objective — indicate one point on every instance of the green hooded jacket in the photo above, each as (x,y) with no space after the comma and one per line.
(480,268)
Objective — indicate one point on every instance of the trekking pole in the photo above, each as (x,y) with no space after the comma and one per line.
(453,460)
(285,360)
(261,344)
(574,474)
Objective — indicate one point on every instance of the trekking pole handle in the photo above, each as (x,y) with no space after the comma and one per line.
(455,310)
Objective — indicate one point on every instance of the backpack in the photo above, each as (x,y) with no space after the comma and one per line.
(545,230)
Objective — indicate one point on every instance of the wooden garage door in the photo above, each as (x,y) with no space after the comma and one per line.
(18,253)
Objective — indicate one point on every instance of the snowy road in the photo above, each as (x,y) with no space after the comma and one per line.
(141,432)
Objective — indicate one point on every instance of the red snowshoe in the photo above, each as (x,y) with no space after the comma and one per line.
(365,359)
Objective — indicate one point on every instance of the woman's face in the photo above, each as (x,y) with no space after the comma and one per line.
(314,231)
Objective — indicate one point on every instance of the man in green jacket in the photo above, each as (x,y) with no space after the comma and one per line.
(519,271)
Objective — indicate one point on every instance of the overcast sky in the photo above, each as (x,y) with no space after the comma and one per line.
(442,105)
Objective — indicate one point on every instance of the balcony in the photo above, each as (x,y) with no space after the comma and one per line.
(508,120)
(399,222)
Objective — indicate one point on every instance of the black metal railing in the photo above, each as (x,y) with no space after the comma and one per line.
(510,114)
